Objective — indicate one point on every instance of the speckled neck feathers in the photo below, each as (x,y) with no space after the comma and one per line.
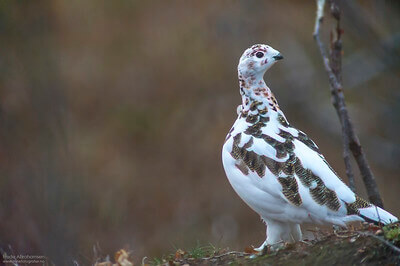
(252,66)
(259,96)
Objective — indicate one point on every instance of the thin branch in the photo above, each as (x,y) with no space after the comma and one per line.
(350,139)
(336,65)
(320,15)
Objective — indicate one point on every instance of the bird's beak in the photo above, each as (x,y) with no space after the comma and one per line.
(278,57)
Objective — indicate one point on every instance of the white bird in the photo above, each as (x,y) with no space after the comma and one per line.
(277,170)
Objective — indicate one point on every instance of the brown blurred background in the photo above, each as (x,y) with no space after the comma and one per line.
(113,115)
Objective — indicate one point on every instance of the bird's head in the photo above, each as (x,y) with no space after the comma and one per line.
(256,60)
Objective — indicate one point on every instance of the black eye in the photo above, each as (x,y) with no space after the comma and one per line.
(259,54)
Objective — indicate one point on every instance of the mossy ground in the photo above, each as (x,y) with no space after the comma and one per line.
(368,245)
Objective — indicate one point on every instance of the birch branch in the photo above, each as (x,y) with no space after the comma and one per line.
(351,142)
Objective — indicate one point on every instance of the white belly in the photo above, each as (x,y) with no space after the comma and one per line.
(263,195)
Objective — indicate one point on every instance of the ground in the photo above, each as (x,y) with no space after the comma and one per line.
(365,245)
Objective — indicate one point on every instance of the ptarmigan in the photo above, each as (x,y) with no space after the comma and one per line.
(277,170)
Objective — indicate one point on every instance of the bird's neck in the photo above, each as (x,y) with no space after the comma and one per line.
(255,93)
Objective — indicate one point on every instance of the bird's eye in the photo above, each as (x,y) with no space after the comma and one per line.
(259,54)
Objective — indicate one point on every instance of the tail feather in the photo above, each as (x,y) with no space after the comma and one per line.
(377,215)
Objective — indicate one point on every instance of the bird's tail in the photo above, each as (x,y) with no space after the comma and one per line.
(377,215)
(370,212)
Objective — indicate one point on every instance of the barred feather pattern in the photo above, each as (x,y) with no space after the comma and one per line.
(277,169)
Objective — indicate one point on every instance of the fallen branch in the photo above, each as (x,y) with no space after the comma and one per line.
(382,240)
(350,139)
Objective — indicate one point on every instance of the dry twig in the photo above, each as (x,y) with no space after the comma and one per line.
(241,254)
(351,142)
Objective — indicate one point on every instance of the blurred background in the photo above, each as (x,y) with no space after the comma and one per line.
(113,115)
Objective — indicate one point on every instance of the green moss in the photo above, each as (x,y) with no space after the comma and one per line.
(392,233)
(156,261)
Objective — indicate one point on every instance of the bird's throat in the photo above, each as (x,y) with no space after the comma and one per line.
(258,95)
